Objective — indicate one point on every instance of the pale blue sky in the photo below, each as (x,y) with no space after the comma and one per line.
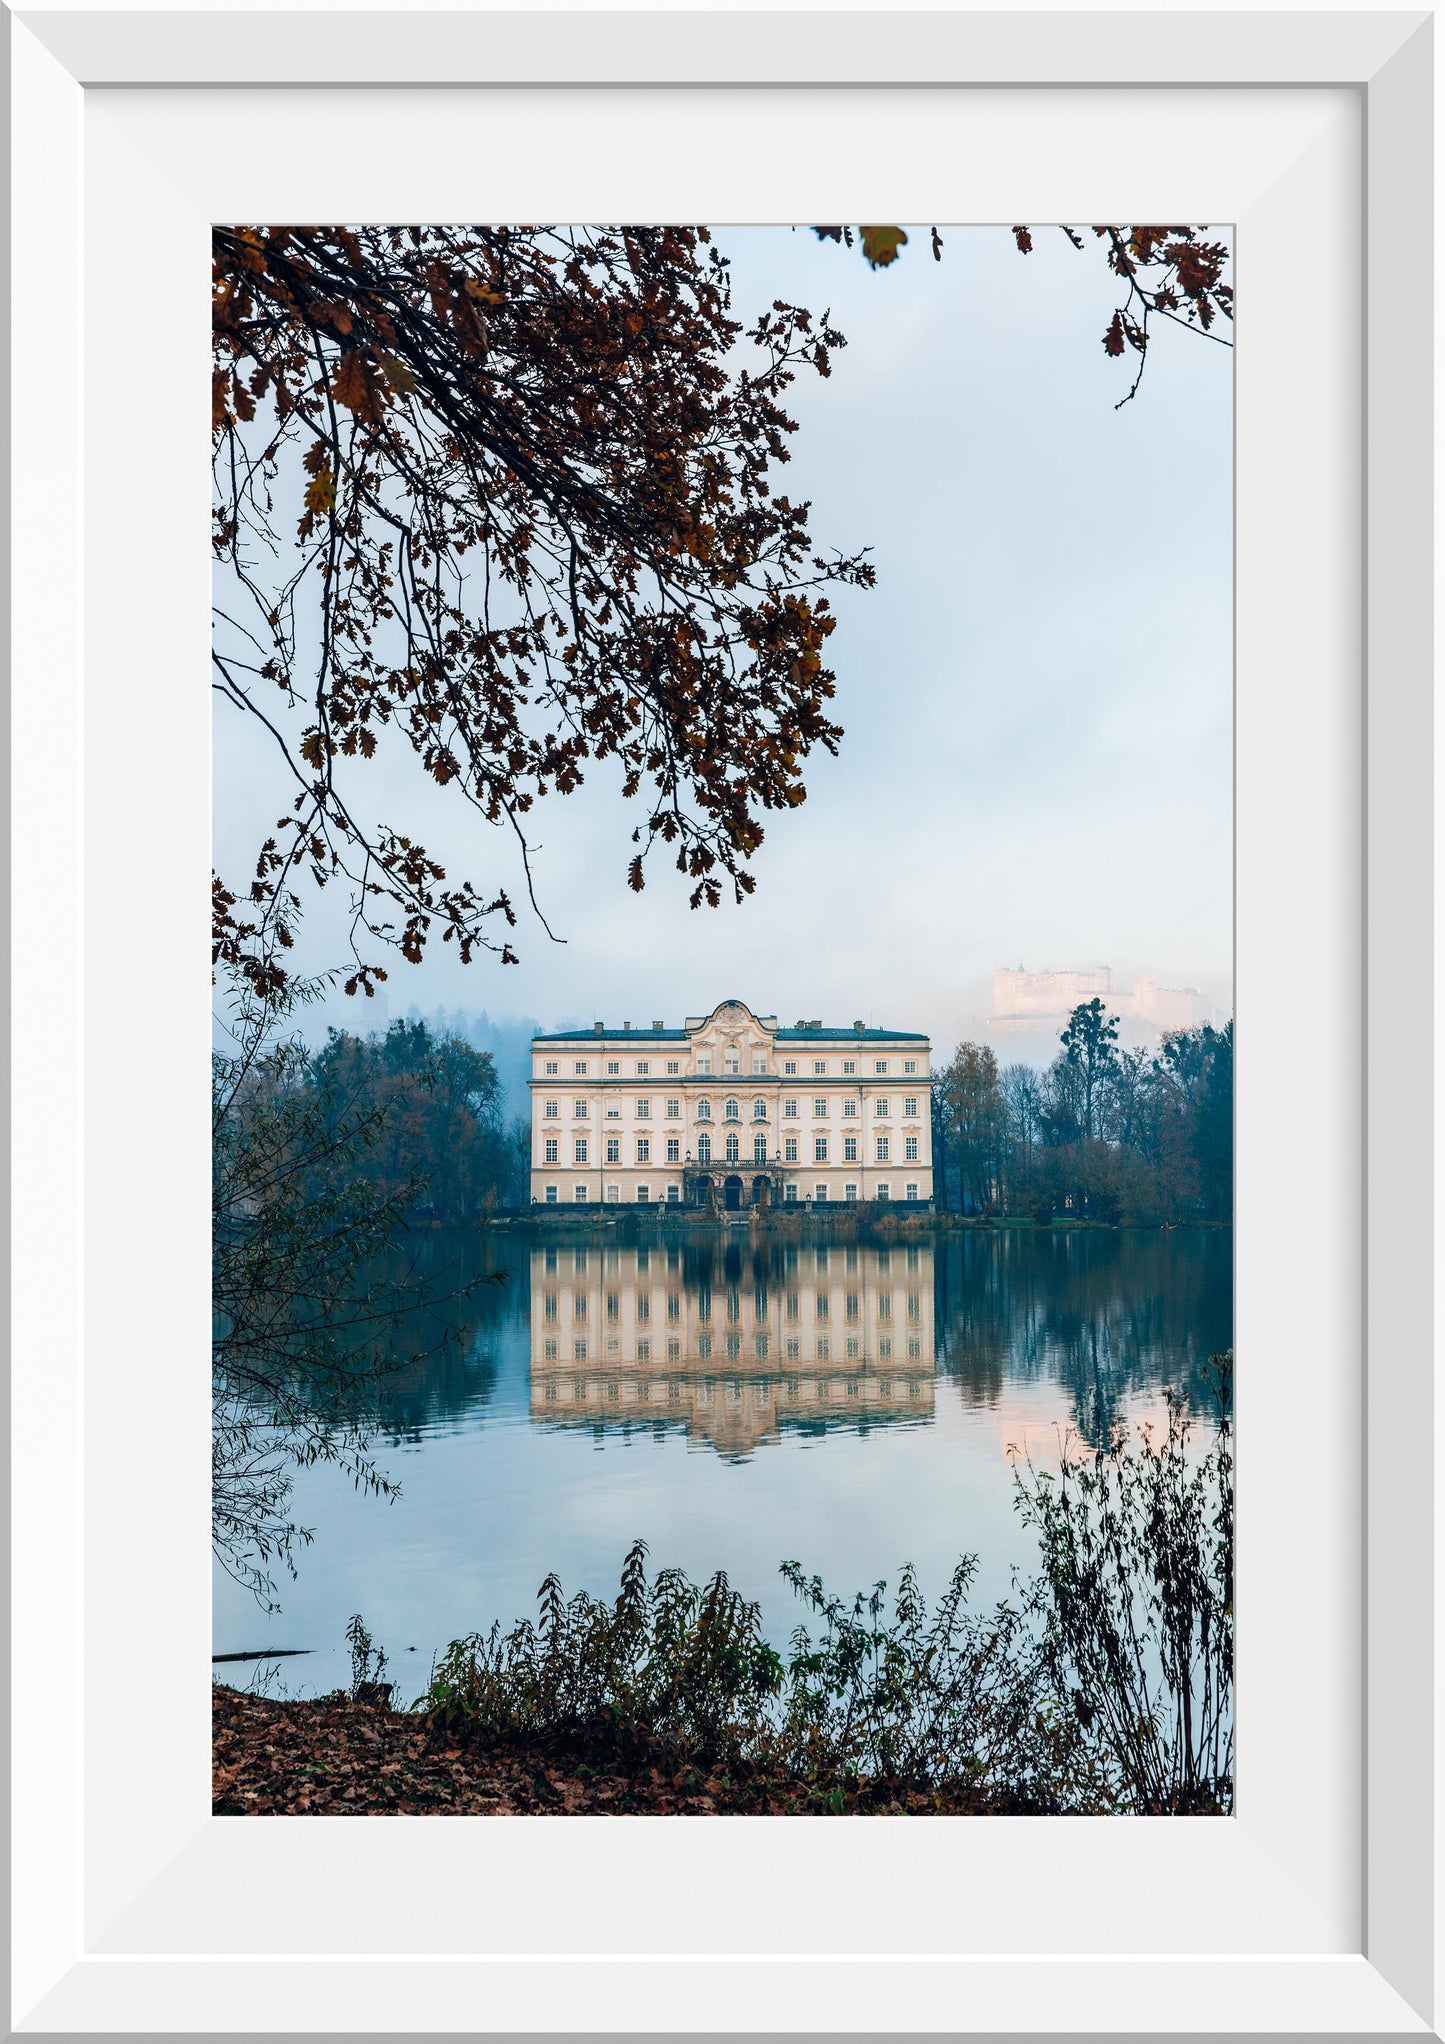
(1036,698)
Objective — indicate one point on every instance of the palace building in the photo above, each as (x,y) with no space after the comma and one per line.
(730,1111)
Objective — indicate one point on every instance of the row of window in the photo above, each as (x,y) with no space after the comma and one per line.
(819,1194)
(732,1150)
(611,1068)
(760,1393)
(640,1257)
(732,1109)
(792,1305)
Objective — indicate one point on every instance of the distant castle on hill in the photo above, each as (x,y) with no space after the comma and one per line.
(1029,1001)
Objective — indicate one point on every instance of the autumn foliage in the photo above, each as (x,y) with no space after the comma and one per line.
(507,497)
(1172,273)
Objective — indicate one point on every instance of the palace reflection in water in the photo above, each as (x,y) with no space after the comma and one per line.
(740,1396)
(733,1343)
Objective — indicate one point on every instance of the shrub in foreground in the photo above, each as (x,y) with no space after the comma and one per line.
(1107,1686)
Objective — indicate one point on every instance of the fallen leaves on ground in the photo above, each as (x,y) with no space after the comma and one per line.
(334,1758)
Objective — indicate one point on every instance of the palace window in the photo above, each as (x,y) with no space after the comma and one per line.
(760,1149)
(674,1150)
(790,1149)
(731,1110)
(880,1150)
(881,1193)
(850,1149)
(674,1069)
(551,1195)
(910,1149)
(644,1149)
(910,1191)
(644,1109)
(790,1110)
(579,1193)
(552,1110)
(850,1192)
(820,1149)
(672,1197)
(580,1068)
(612,1195)
(704,1149)
(820,1193)
(790,1068)
(910,1107)
(910,1065)
(549,1070)
(614,1150)
(850,1110)
(880,1106)
(820,1067)
(613,1068)
(644,1194)
(579,1110)
(732,1149)
(674,1110)
(730,1061)
(850,1068)
(614,1114)
(642,1068)
(760,1110)
(704,1110)
(820,1110)
(790,1195)
(549,1150)
(579,1150)
(704,1060)
(760,1061)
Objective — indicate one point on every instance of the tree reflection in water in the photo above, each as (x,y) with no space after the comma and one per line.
(740,1342)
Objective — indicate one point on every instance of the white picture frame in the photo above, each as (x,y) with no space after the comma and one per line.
(1314,1909)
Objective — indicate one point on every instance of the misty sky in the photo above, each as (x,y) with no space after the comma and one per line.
(1036,698)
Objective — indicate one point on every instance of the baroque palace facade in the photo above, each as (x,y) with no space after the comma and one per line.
(730,1111)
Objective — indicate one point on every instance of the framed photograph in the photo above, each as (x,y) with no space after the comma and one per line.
(752,772)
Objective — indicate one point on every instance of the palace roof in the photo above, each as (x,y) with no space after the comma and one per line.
(807,1034)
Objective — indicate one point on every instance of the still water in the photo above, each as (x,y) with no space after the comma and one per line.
(737,1400)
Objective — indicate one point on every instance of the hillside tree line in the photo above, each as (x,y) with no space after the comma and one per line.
(1104,1133)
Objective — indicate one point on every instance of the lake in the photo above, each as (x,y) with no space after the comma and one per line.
(849,1401)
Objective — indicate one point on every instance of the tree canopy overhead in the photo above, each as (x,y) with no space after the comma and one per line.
(510,492)
(509,497)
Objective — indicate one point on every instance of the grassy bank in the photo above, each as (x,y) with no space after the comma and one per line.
(836,1222)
